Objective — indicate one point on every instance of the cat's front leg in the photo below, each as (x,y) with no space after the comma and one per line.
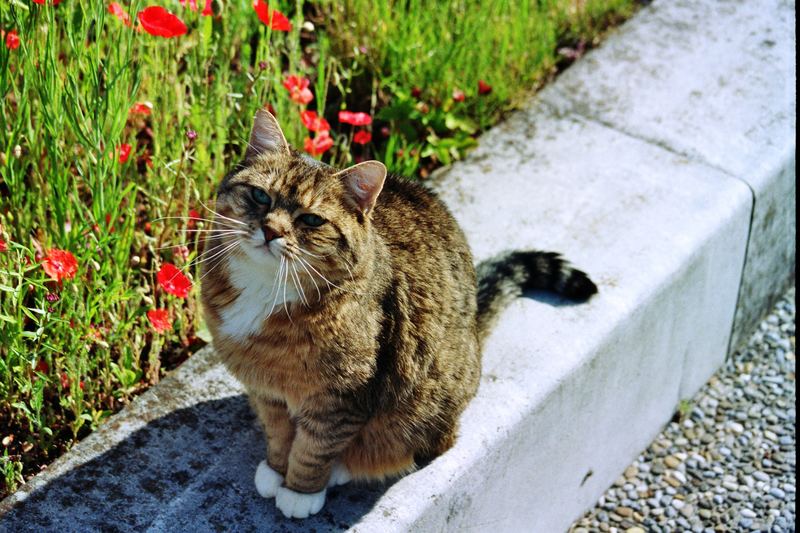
(321,436)
(279,431)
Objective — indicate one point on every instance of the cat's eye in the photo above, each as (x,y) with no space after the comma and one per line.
(310,219)
(261,197)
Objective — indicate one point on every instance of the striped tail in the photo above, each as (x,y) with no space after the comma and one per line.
(507,276)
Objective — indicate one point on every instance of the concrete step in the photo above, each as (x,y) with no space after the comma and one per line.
(663,165)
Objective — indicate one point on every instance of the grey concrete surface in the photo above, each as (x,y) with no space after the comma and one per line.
(180,458)
(713,80)
(654,209)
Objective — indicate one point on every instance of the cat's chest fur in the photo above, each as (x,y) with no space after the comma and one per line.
(262,291)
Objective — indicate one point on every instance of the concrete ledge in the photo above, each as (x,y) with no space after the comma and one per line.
(650,188)
(714,81)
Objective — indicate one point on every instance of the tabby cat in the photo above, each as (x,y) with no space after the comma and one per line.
(347,303)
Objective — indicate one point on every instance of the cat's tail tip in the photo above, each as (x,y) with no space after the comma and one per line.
(577,285)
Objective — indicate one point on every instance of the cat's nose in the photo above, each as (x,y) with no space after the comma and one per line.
(269,234)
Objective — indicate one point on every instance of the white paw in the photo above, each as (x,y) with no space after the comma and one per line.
(267,480)
(298,505)
(339,475)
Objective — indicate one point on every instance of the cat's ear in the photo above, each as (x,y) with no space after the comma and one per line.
(266,136)
(363,183)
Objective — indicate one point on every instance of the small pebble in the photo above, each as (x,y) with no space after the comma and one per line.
(777,493)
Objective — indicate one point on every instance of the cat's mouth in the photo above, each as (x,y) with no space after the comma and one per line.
(274,249)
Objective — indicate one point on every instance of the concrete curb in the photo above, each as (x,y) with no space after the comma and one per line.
(663,164)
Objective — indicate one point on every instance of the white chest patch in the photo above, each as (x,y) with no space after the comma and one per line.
(261,294)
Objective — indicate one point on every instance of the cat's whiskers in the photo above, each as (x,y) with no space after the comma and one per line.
(347,266)
(223,233)
(215,265)
(219,215)
(326,280)
(297,284)
(196,219)
(276,286)
(216,230)
(285,282)
(303,250)
(319,294)
(347,263)
(217,252)
(209,249)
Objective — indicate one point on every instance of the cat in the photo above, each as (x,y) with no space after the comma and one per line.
(347,303)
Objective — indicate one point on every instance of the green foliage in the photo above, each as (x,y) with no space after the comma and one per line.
(438,49)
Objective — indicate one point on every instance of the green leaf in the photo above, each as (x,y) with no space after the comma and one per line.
(397,110)
(206,33)
(460,123)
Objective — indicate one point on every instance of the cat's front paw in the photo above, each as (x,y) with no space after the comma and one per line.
(297,504)
(267,480)
(339,475)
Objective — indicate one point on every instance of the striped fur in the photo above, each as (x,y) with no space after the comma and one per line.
(508,276)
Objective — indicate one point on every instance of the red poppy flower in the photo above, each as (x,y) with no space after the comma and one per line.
(362,137)
(416,92)
(207,12)
(173,280)
(356,119)
(158,21)
(298,89)
(194,218)
(319,144)
(3,246)
(118,11)
(142,108)
(313,122)
(42,2)
(60,264)
(159,318)
(458,95)
(483,87)
(64,380)
(274,19)
(124,152)
(12,40)
(42,366)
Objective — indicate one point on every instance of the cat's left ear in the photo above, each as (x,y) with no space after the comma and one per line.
(364,182)
(266,136)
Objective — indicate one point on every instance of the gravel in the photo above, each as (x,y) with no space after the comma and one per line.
(727,460)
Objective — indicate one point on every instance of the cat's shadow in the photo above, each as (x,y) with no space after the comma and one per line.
(550,298)
(191,470)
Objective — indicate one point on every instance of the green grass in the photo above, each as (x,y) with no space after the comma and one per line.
(75,351)
(441,47)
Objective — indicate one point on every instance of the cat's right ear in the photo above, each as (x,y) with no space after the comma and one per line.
(266,136)
(363,183)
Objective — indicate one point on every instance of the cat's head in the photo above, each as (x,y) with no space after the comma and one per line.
(283,206)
